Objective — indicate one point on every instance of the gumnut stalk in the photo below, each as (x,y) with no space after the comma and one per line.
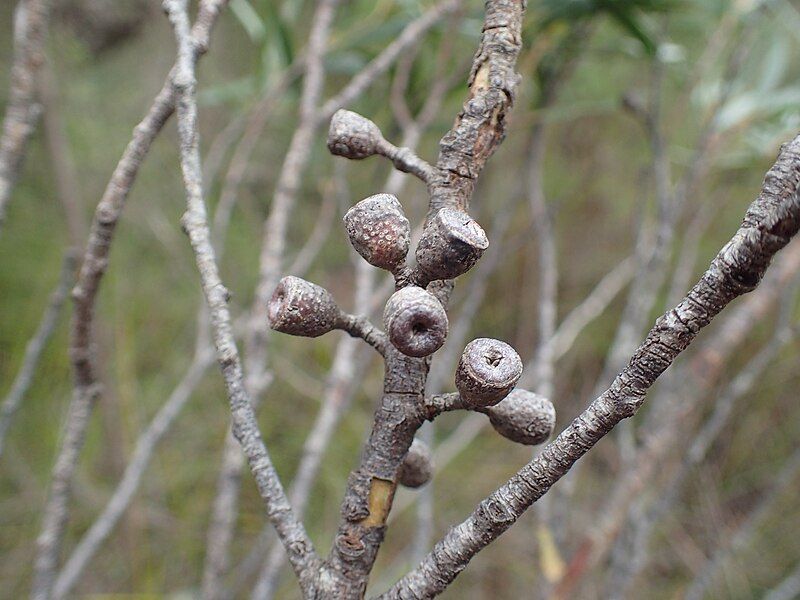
(524,417)
(353,136)
(488,370)
(299,307)
(417,467)
(451,243)
(379,231)
(415,322)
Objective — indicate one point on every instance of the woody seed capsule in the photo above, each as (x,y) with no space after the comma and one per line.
(352,136)
(417,467)
(451,244)
(415,322)
(299,307)
(524,417)
(487,372)
(379,231)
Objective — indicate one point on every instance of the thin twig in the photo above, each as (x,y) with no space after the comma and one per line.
(22,110)
(95,262)
(129,484)
(223,518)
(195,223)
(33,351)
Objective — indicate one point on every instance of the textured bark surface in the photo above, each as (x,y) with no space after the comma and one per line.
(768,225)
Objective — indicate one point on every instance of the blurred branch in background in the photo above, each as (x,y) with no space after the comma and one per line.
(22,110)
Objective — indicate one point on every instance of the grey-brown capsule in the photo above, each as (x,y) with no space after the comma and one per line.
(488,370)
(417,467)
(299,307)
(379,231)
(451,243)
(415,321)
(353,136)
(524,417)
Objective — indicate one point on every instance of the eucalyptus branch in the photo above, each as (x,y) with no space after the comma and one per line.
(769,224)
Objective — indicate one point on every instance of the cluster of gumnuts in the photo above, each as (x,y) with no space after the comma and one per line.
(414,319)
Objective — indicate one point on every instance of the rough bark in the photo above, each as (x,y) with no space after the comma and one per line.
(770,222)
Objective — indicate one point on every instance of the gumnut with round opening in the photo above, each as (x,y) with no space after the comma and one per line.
(379,231)
(299,307)
(524,417)
(415,321)
(417,467)
(488,370)
(353,136)
(451,243)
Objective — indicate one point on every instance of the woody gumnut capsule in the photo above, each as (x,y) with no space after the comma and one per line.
(379,231)
(299,307)
(353,136)
(451,243)
(415,322)
(488,370)
(417,467)
(524,417)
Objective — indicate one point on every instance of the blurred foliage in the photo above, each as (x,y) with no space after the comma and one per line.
(597,181)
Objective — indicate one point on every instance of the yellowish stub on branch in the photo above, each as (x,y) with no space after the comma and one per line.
(481,80)
(381,493)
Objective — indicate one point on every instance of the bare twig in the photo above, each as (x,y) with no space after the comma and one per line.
(103,526)
(22,111)
(33,351)
(95,261)
(703,372)
(244,425)
(226,503)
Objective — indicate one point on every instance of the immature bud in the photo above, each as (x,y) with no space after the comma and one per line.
(417,467)
(524,417)
(451,244)
(353,136)
(379,231)
(415,321)
(299,307)
(487,372)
